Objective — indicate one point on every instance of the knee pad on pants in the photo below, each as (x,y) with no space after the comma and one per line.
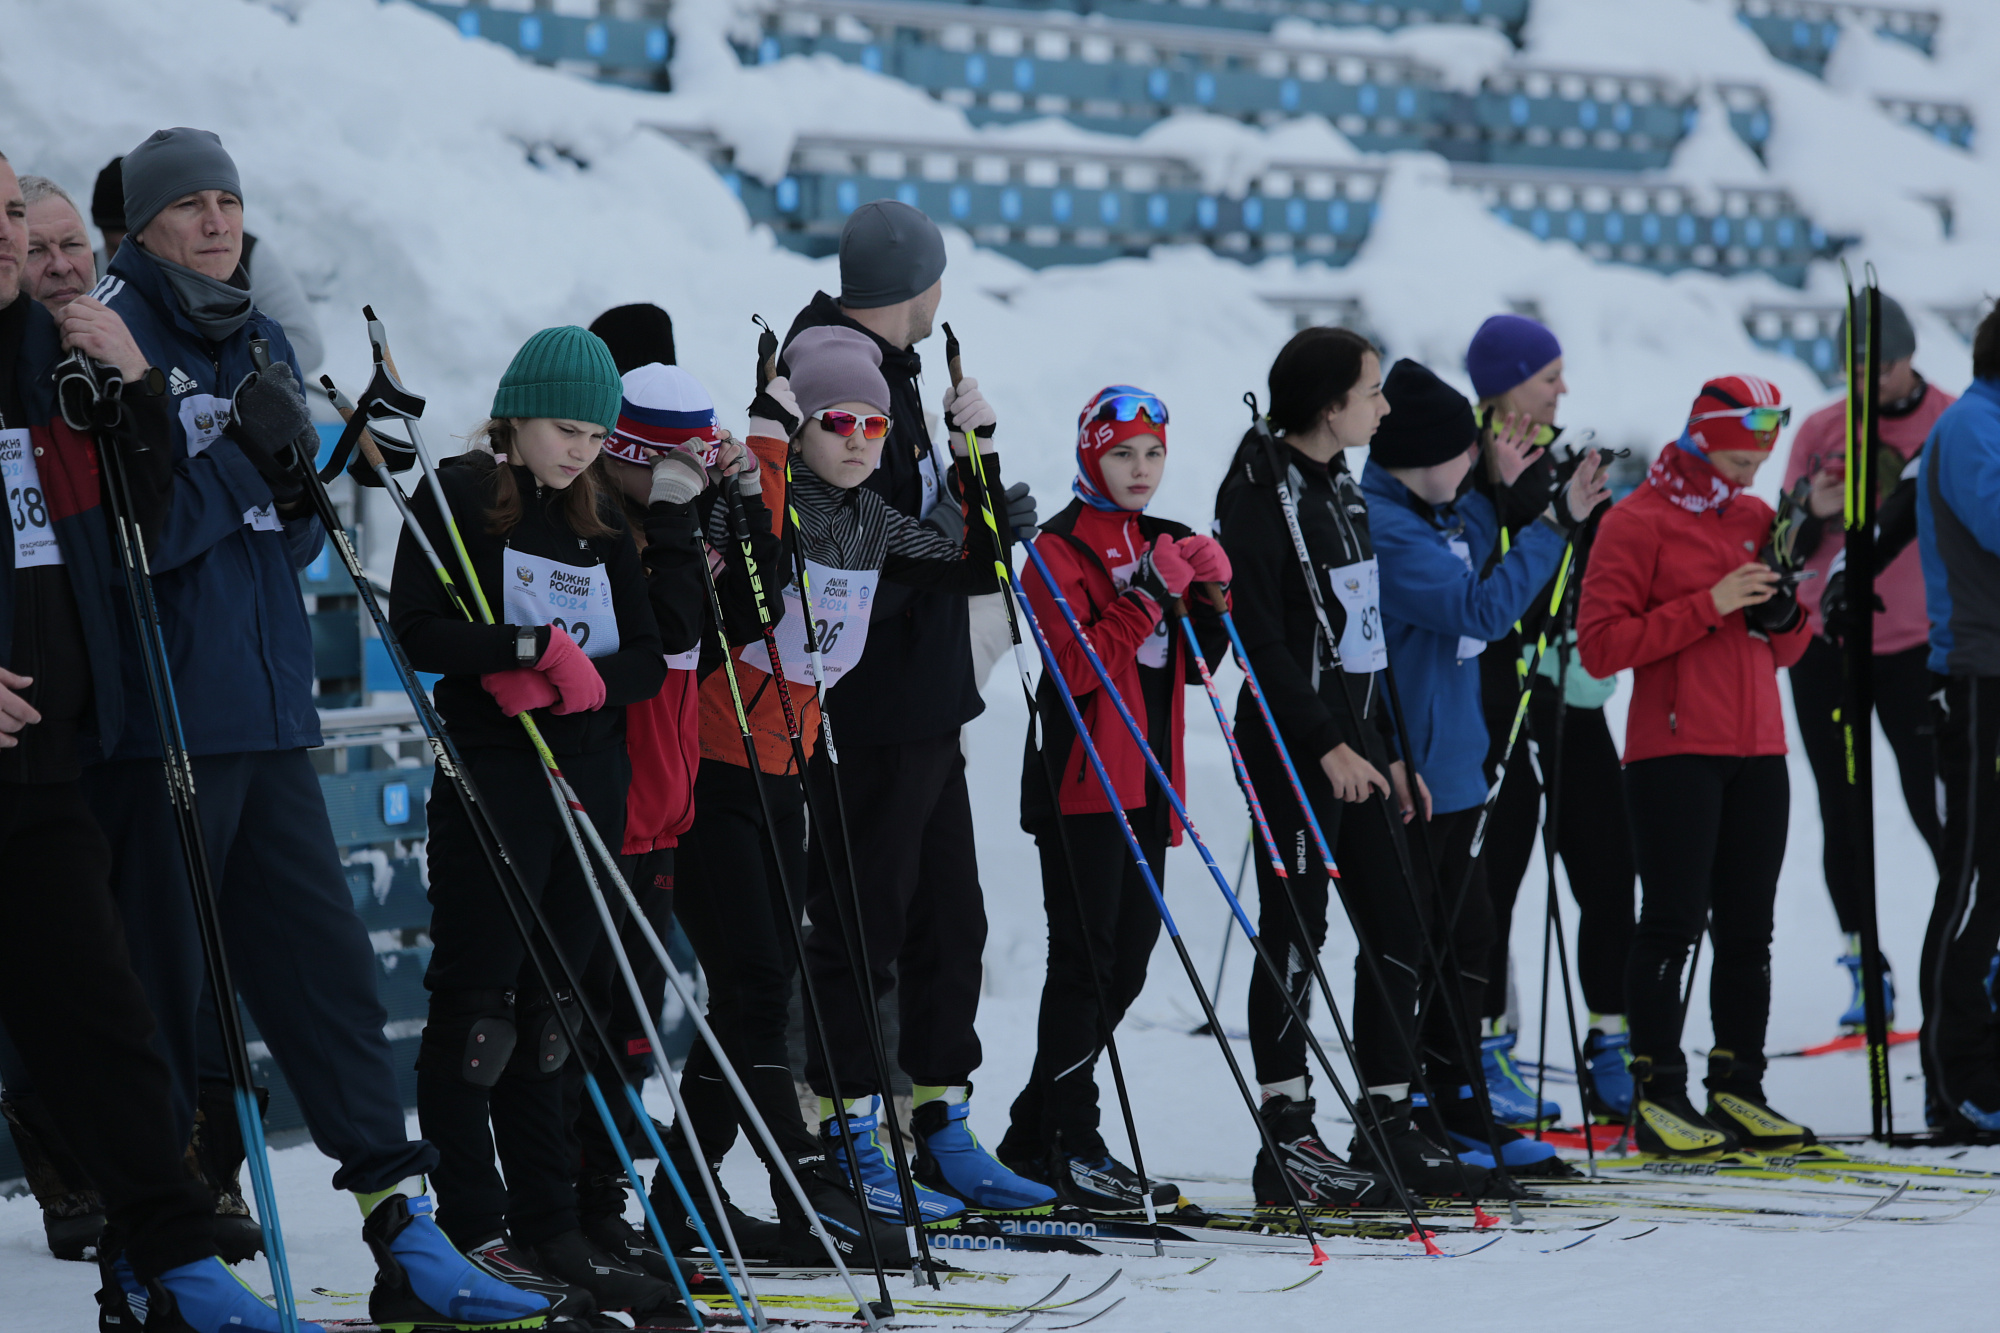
(545,1045)
(470,1034)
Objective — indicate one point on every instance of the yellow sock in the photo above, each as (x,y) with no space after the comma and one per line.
(927,1092)
(409,1189)
(826,1107)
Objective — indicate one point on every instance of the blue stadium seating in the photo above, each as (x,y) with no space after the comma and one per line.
(1947,122)
(1803,33)
(623,50)
(1260,15)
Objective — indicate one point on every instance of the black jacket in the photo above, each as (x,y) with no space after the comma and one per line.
(437,638)
(915,680)
(1274,615)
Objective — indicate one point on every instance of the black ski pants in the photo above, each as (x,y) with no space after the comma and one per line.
(1377,902)
(1961,1042)
(1903,685)
(299,956)
(730,874)
(921,908)
(79,1019)
(486,994)
(1461,913)
(1592,837)
(1709,831)
(1116,930)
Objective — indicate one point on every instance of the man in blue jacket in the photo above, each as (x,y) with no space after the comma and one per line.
(231,540)
(1438,616)
(1958,534)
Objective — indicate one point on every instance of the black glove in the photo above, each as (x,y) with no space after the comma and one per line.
(1020,506)
(1780,615)
(948,520)
(269,421)
(779,406)
(1836,612)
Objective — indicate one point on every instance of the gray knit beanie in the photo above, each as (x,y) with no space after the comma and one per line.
(830,364)
(173,164)
(889,252)
(1899,337)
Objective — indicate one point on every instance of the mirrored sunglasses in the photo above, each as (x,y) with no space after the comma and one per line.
(843,424)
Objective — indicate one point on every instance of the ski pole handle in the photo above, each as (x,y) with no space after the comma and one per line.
(767,353)
(952,365)
(344,406)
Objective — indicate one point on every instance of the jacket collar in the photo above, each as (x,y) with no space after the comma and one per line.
(1380,482)
(143,275)
(824,310)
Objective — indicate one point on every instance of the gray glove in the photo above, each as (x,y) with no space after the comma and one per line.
(1020,503)
(269,421)
(678,477)
(947,519)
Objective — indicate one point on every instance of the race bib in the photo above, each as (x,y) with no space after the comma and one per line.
(1358,588)
(841,601)
(203,418)
(1468,648)
(27,507)
(686,661)
(927,473)
(574,598)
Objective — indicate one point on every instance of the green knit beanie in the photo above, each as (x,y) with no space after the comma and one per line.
(566,373)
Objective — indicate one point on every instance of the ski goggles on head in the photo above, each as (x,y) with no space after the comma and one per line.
(1124,403)
(844,424)
(1755,419)
(1543,437)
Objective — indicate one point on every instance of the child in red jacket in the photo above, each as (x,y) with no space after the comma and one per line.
(1123,573)
(1677,592)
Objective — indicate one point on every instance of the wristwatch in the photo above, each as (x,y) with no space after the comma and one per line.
(524,645)
(152,382)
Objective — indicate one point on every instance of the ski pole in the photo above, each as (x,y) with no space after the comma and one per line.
(1372,1128)
(1165,781)
(1009,591)
(1063,692)
(557,788)
(156,668)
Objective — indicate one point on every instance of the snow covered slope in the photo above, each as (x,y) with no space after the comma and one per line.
(474,199)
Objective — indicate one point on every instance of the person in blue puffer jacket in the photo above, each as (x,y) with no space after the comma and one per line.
(225,563)
(1438,615)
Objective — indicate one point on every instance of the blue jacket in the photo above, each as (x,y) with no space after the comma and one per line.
(225,569)
(1432,598)
(1958,533)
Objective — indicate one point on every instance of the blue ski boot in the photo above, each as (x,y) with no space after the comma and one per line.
(421,1280)
(951,1159)
(1465,1132)
(1513,1100)
(1856,1017)
(878,1171)
(1607,1083)
(206,1297)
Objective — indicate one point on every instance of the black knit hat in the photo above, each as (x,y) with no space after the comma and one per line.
(638,335)
(1429,422)
(107,200)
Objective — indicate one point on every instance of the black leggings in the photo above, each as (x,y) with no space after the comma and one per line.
(1442,860)
(1709,831)
(1903,684)
(1372,890)
(1961,1042)
(484,989)
(732,908)
(1592,838)
(1059,1103)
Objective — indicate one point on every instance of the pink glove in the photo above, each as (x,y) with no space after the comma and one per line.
(1205,554)
(519,690)
(1170,566)
(573,674)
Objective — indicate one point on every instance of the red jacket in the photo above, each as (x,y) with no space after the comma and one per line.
(1118,625)
(1701,683)
(663,736)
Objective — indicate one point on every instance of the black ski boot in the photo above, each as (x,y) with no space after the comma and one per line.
(1087,1176)
(1427,1170)
(117,1290)
(570,1306)
(757,1237)
(1665,1123)
(72,1212)
(838,1215)
(613,1282)
(217,1151)
(600,1206)
(1736,1103)
(1317,1174)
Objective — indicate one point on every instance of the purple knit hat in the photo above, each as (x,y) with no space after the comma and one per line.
(1506,351)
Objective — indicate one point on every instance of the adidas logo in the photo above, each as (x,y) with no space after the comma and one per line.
(179,382)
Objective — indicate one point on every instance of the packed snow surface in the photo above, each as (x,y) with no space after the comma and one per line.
(473,199)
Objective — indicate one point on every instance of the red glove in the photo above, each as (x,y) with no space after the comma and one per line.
(574,675)
(1165,567)
(1205,554)
(519,690)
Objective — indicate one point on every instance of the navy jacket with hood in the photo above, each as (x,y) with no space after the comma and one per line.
(225,569)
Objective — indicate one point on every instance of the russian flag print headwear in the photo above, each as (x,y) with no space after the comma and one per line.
(664,407)
(1113,415)
(1719,417)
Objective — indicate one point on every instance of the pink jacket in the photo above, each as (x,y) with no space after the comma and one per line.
(1822,439)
